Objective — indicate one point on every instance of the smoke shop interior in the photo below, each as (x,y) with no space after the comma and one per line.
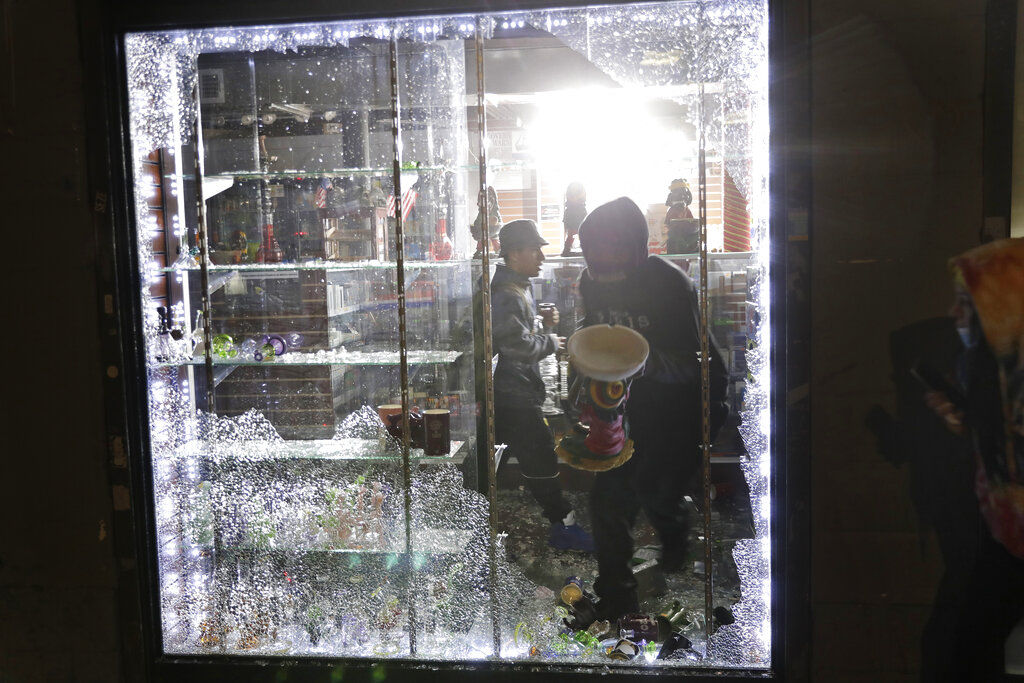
(373,430)
(447,340)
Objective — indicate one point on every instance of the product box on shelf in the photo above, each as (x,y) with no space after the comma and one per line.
(656,228)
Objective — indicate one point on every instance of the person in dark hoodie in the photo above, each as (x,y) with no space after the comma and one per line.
(518,388)
(622,285)
(985,404)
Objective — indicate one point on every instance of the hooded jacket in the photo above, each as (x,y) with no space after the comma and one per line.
(658,300)
(518,345)
(992,371)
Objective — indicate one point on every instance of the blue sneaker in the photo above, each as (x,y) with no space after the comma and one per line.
(572,537)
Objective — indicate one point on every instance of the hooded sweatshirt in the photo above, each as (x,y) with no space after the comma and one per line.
(658,300)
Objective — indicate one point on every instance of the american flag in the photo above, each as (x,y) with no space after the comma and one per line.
(321,193)
(408,201)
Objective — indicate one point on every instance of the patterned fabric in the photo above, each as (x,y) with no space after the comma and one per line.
(993,276)
(321,192)
(408,202)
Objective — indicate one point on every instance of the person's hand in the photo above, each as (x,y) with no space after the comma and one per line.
(561,343)
(944,408)
(549,314)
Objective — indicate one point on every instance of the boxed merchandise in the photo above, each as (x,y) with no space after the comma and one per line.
(656,228)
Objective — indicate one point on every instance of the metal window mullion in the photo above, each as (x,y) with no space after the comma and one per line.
(485,295)
(221,568)
(705,375)
(203,242)
(403,349)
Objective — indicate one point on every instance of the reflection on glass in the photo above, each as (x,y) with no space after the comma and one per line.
(290,517)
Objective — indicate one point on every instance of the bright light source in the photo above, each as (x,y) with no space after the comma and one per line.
(617,132)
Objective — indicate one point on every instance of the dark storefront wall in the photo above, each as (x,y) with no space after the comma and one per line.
(896,115)
(58,572)
(897,168)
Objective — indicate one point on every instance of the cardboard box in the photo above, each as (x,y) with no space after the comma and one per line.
(656,236)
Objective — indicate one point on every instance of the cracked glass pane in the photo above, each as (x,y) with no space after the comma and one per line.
(309,203)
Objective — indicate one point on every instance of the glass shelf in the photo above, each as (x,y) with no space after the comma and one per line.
(333,357)
(319,450)
(383,171)
(256,269)
(291,174)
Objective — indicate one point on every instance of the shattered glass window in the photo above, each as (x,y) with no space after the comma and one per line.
(317,210)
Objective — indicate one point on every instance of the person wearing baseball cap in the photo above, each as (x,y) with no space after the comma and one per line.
(518,388)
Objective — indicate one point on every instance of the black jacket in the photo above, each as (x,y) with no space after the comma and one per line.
(518,345)
(659,301)
(573,216)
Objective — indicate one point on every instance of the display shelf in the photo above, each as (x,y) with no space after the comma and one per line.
(268,269)
(728,457)
(229,177)
(333,357)
(744,256)
(293,174)
(319,450)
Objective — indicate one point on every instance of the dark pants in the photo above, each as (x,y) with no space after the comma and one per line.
(993,603)
(523,429)
(655,480)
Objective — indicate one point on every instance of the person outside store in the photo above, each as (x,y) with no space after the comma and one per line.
(622,285)
(518,388)
(986,404)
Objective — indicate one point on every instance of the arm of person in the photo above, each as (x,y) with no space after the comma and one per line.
(942,406)
(941,395)
(674,358)
(678,363)
(511,333)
